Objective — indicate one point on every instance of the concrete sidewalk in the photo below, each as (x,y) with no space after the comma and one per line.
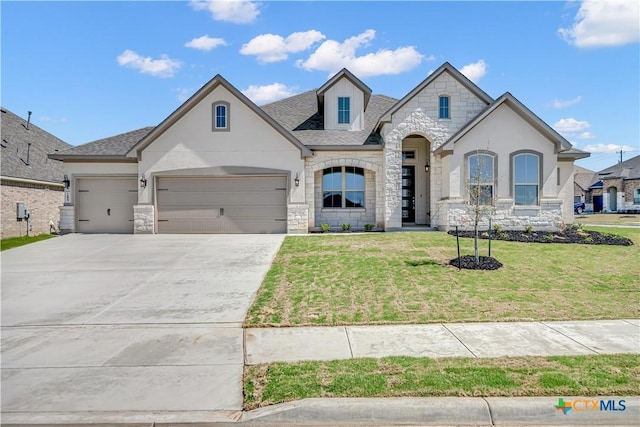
(264,345)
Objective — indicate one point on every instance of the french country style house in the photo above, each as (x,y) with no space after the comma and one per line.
(339,154)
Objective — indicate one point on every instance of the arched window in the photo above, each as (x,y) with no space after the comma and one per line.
(526,179)
(343,187)
(444,107)
(221,116)
(481,178)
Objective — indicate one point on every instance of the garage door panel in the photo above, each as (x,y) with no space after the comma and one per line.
(222,205)
(105,205)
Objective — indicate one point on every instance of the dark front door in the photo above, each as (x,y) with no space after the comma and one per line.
(597,203)
(408,194)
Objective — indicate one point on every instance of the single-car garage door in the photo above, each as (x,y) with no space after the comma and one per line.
(239,204)
(105,205)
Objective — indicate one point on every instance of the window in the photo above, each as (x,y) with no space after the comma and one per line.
(408,155)
(636,196)
(344,108)
(444,107)
(343,187)
(481,178)
(220,116)
(526,179)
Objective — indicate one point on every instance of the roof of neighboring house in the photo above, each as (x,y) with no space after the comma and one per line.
(299,115)
(583,177)
(629,169)
(114,146)
(24,161)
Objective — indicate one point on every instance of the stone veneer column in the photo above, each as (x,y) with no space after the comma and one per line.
(67,219)
(143,219)
(298,218)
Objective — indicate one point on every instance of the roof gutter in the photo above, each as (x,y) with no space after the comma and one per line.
(345,147)
(31,181)
(92,158)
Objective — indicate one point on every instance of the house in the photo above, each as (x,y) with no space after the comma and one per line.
(582,179)
(338,154)
(29,178)
(617,188)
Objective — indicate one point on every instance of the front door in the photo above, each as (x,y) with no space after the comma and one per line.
(408,194)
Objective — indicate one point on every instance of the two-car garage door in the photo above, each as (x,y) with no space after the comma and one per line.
(238,204)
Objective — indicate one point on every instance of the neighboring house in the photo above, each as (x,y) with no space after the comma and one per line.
(582,179)
(617,188)
(338,154)
(29,177)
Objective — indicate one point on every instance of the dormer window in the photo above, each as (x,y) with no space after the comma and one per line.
(220,116)
(444,108)
(344,110)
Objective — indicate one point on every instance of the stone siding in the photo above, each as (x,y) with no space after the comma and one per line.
(297,218)
(41,200)
(143,219)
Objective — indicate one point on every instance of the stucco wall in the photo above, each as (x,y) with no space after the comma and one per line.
(42,201)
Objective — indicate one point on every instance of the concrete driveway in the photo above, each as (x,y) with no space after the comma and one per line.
(108,328)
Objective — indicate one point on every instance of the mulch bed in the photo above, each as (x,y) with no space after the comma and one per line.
(568,235)
(469,262)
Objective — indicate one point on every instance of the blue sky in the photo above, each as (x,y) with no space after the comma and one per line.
(90,70)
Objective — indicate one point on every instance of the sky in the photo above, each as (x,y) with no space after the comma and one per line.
(89,70)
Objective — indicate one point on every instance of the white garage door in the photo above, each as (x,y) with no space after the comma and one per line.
(105,205)
(222,204)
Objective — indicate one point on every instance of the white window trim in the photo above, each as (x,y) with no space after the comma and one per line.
(512,183)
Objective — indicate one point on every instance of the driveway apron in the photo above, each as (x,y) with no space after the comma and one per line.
(127,326)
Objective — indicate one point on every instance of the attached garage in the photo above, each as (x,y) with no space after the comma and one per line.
(105,204)
(236,204)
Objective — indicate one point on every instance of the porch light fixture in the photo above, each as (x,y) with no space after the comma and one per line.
(426,167)
(297,180)
(143,182)
(66,182)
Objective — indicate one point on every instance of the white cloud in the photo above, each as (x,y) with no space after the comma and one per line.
(331,56)
(607,148)
(268,93)
(274,48)
(586,135)
(601,23)
(205,43)
(559,104)
(182,94)
(163,67)
(475,71)
(570,126)
(235,11)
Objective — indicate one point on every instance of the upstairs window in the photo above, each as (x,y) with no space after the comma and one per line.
(481,179)
(444,108)
(220,116)
(343,187)
(526,179)
(344,110)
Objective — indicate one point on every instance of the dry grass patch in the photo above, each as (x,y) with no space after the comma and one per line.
(603,375)
(379,278)
(608,219)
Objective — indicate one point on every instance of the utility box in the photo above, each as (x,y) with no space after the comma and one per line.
(21,212)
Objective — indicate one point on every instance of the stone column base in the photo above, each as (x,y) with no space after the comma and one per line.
(67,219)
(143,219)
(298,219)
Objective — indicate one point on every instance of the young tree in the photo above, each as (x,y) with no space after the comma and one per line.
(481,190)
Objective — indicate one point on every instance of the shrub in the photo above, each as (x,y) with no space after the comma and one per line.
(497,228)
(368,227)
(325,228)
(346,227)
(528,229)
(577,226)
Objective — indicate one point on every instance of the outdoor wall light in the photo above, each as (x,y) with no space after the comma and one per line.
(143,182)
(297,180)
(426,167)
(66,182)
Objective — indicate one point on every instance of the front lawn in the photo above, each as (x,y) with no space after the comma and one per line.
(14,242)
(601,375)
(377,278)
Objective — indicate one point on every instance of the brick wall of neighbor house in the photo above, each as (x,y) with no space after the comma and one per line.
(618,183)
(630,185)
(42,201)
(371,162)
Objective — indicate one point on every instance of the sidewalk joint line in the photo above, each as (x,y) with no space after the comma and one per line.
(346,331)
(459,340)
(490,411)
(244,346)
(572,339)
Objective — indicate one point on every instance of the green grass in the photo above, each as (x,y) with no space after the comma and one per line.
(378,278)
(602,375)
(14,242)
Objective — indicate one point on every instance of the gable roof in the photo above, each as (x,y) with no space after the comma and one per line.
(205,90)
(300,116)
(344,73)
(560,143)
(24,150)
(629,169)
(112,148)
(583,177)
(444,68)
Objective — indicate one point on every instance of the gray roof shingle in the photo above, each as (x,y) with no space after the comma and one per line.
(114,146)
(21,160)
(629,169)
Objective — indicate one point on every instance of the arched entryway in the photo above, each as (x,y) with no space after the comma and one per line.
(613,199)
(416,181)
